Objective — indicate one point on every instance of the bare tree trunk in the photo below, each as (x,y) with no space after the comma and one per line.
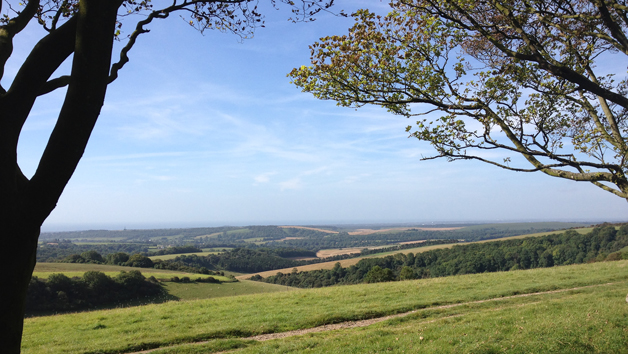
(25,204)
(17,259)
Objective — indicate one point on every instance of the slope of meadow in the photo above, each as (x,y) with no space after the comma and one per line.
(591,319)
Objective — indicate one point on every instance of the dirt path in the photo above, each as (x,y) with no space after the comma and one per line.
(364,323)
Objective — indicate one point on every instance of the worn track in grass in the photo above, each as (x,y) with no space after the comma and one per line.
(368,322)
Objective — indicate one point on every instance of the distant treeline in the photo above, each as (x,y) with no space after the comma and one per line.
(281,237)
(237,260)
(244,260)
(61,251)
(135,234)
(175,250)
(571,247)
(344,240)
(56,251)
(94,289)
(247,260)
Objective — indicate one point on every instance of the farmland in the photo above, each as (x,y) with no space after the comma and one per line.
(352,261)
(583,319)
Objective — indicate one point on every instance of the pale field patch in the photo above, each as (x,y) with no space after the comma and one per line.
(309,228)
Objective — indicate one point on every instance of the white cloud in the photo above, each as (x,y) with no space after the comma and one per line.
(294,184)
(264,177)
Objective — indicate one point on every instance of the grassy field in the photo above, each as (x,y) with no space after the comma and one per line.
(217,249)
(349,262)
(43,270)
(173,256)
(583,320)
(196,291)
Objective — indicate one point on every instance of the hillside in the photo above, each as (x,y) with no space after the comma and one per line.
(352,261)
(588,315)
(175,291)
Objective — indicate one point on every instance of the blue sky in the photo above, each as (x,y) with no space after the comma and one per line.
(203,130)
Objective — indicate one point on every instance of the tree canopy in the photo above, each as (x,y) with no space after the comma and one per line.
(534,79)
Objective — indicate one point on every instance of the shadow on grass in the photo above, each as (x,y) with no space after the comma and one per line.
(159,299)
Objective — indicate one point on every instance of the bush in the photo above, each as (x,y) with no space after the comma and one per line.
(207,280)
(139,261)
(92,257)
(616,256)
(119,258)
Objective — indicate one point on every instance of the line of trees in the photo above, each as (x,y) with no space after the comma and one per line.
(247,260)
(344,240)
(274,237)
(94,289)
(175,250)
(57,250)
(570,247)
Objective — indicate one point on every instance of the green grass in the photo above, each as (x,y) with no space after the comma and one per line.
(43,270)
(587,321)
(237,317)
(238,231)
(217,249)
(593,320)
(195,291)
(173,256)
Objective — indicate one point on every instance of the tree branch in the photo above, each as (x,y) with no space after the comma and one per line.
(47,55)
(95,28)
(8,31)
(54,84)
(139,29)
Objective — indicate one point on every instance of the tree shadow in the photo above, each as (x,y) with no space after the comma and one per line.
(158,299)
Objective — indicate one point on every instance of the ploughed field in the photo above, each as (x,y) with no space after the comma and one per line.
(566,309)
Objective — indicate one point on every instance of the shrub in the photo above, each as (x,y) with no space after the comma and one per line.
(616,256)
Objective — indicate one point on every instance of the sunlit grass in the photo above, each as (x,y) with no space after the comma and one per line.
(151,326)
(195,291)
(44,270)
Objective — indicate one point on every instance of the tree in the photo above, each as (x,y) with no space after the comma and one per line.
(526,78)
(84,30)
(406,273)
(140,261)
(378,274)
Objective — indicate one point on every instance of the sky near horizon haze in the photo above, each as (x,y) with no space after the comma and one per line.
(205,130)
